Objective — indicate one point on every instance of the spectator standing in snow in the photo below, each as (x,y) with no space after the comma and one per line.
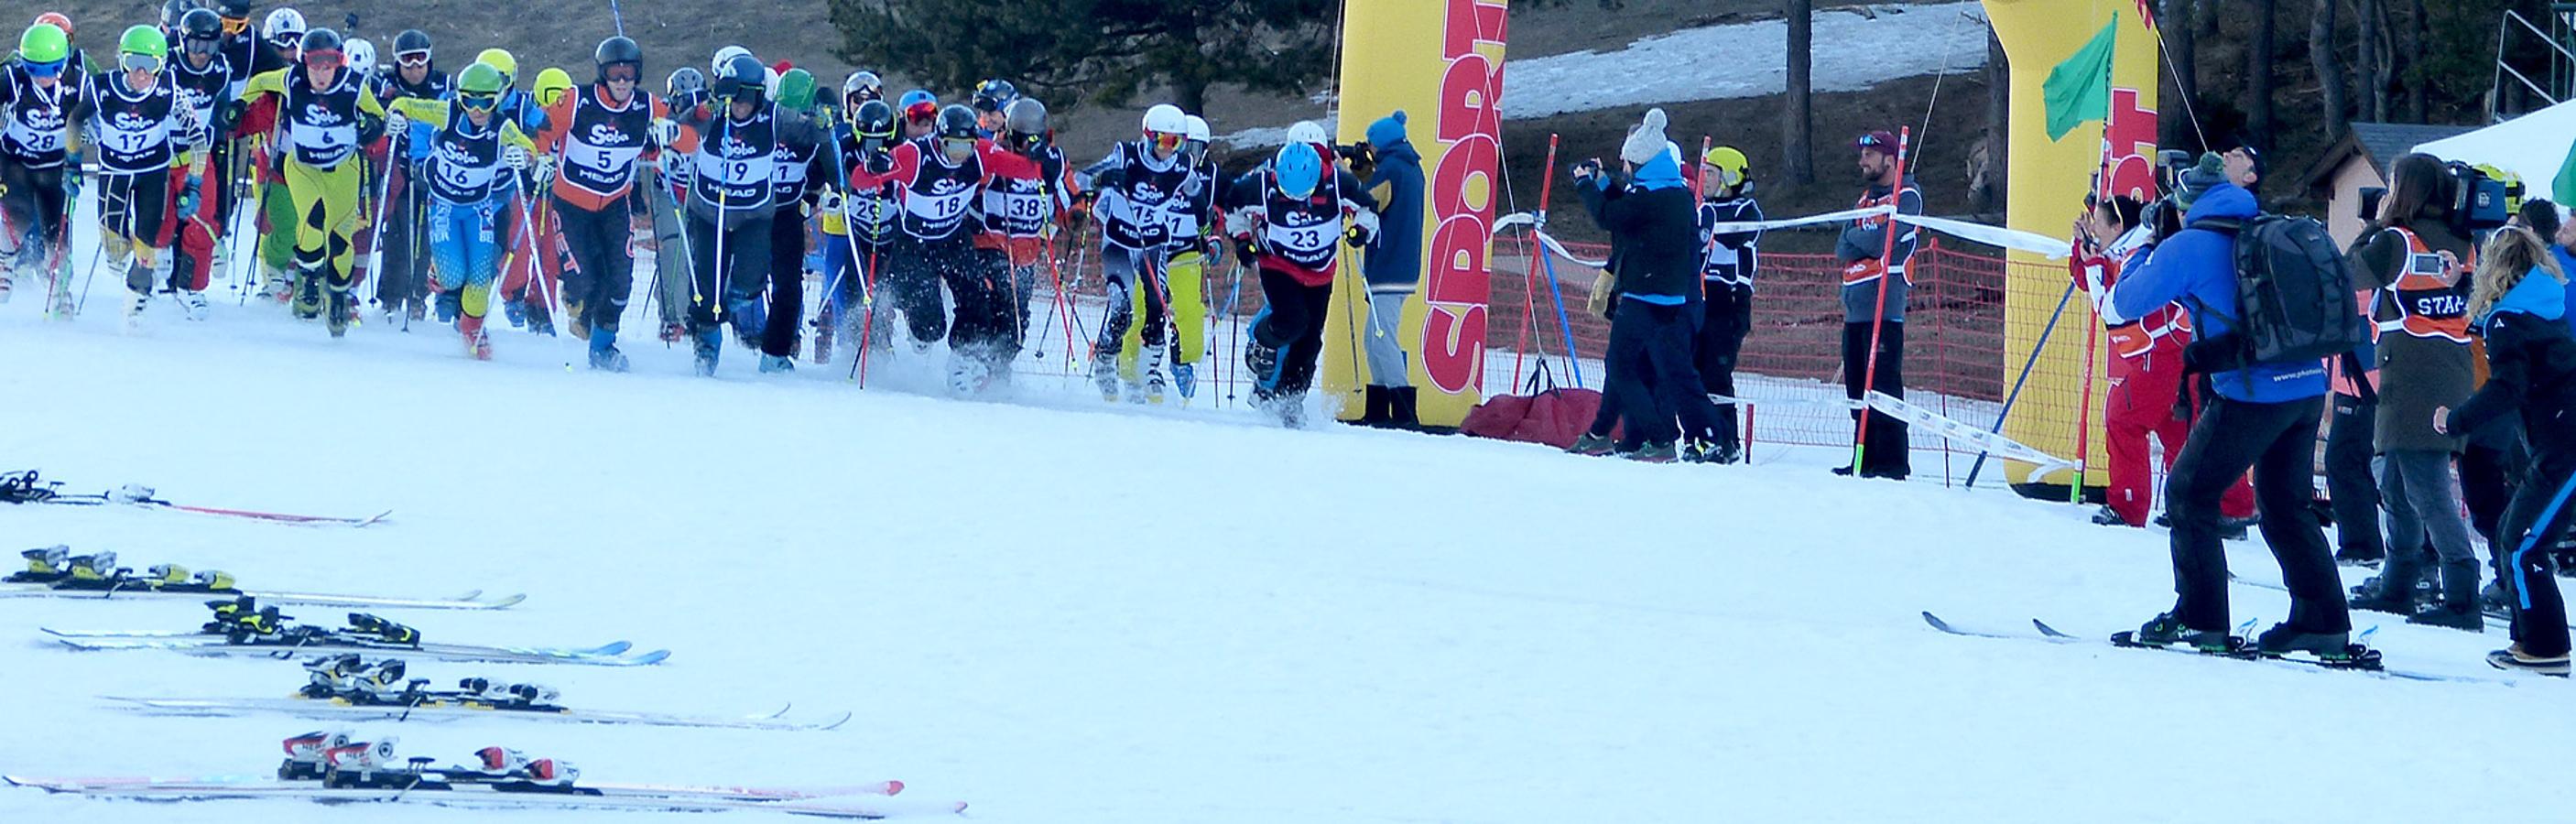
(1726,281)
(1875,284)
(2519,302)
(2146,374)
(1654,253)
(1392,265)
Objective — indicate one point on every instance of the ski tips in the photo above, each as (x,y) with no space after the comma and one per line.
(893,787)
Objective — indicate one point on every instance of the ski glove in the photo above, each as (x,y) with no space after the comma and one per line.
(665,131)
(515,157)
(828,202)
(187,207)
(395,122)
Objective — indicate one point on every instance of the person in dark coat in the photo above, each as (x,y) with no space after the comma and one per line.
(1392,266)
(1726,282)
(1654,241)
(1875,286)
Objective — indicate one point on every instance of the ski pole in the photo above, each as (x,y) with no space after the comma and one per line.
(376,227)
(536,273)
(2015,394)
(2084,408)
(1235,334)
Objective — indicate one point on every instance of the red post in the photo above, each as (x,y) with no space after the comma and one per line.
(1529,273)
(1877,321)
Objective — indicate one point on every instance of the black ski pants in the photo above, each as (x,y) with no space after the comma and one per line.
(603,264)
(1888,446)
(733,283)
(2349,483)
(1720,342)
(2278,442)
(1293,325)
(2538,517)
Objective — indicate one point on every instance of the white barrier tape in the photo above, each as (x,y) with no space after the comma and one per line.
(2032,242)
(1948,429)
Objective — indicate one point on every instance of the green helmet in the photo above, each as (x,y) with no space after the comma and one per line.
(44,44)
(481,78)
(796,90)
(144,40)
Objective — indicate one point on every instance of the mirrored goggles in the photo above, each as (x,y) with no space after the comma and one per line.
(139,62)
(324,60)
(1168,141)
(957,145)
(52,69)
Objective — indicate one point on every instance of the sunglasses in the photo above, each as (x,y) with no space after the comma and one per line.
(412,60)
(52,69)
(479,102)
(139,62)
(621,73)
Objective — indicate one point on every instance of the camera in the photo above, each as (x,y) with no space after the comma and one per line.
(2370,198)
(2478,202)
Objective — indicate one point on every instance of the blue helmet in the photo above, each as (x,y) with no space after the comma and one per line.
(1297,170)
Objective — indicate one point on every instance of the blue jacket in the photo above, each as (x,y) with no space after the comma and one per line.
(1395,258)
(2531,365)
(2567,266)
(2198,267)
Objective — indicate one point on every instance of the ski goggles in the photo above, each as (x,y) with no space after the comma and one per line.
(201,45)
(1166,141)
(921,112)
(139,62)
(621,73)
(324,60)
(957,146)
(236,25)
(52,69)
(412,59)
(479,102)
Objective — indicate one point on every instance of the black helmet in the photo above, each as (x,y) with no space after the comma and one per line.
(618,49)
(201,24)
(411,40)
(992,95)
(235,9)
(318,41)
(743,78)
(174,11)
(957,121)
(874,120)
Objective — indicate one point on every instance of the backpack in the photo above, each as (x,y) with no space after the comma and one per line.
(1553,416)
(2293,292)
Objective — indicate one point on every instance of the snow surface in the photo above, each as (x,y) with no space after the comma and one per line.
(1070,613)
(1855,48)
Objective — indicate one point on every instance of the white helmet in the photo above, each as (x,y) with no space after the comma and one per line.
(769,82)
(1165,118)
(725,55)
(1306,131)
(1198,130)
(282,23)
(362,55)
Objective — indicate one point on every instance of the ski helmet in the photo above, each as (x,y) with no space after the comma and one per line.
(874,121)
(1730,163)
(322,43)
(411,41)
(142,48)
(1198,138)
(1307,131)
(919,105)
(993,95)
(724,57)
(57,20)
(235,9)
(550,85)
(362,55)
(743,80)
(796,89)
(861,88)
(1165,118)
(500,59)
(957,121)
(201,25)
(481,79)
(284,29)
(685,80)
(1026,123)
(1297,169)
(44,44)
(175,10)
(615,51)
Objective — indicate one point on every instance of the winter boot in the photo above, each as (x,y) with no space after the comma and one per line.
(336,312)
(770,364)
(1372,406)
(1402,412)
(706,344)
(2167,629)
(1653,453)
(2283,639)
(603,351)
(2513,658)
(193,303)
(1592,446)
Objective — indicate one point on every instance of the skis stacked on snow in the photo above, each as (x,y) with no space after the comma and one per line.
(27,488)
(346,686)
(53,572)
(242,627)
(2358,657)
(334,767)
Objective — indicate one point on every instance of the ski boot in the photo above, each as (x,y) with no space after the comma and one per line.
(304,754)
(1698,450)
(275,284)
(308,293)
(750,318)
(451,305)
(135,303)
(707,345)
(575,321)
(193,304)
(1185,377)
(1291,409)
(2331,647)
(774,364)
(4,287)
(603,351)
(1104,374)
(336,312)
(822,342)
(2513,658)
(2167,630)
(2106,516)
(1727,453)
(541,320)
(1149,385)
(674,332)
(478,341)
(2468,619)
(1592,446)
(516,310)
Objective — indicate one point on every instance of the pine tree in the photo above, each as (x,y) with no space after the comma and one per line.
(1100,50)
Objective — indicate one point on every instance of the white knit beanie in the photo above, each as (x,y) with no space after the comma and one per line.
(1646,141)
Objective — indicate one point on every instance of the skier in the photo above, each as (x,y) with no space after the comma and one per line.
(938,181)
(794,190)
(604,135)
(522,268)
(990,99)
(326,117)
(144,131)
(281,33)
(469,193)
(1287,219)
(2265,418)
(733,149)
(203,78)
(402,285)
(1874,294)
(1134,186)
(1392,266)
(855,255)
(1189,217)
(1026,200)
(861,87)
(2520,304)
(1726,283)
(39,178)
(920,110)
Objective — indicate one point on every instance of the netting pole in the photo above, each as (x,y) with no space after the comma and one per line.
(2015,394)
(1529,273)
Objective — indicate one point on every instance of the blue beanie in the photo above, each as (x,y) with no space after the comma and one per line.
(1388,130)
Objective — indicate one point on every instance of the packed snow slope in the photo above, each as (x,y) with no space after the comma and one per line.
(1067,613)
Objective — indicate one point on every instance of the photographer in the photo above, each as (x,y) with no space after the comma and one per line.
(1654,246)
(2146,364)
(2410,257)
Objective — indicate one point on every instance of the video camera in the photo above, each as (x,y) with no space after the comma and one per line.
(2479,202)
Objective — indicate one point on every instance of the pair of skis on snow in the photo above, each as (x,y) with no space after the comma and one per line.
(26,487)
(615,654)
(2363,660)
(548,786)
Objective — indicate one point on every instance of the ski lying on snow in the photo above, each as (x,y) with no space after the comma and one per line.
(274,517)
(2244,652)
(469,600)
(215,645)
(447,707)
(482,795)
(262,785)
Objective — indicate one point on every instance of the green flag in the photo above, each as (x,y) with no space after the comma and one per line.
(2080,88)
(2563,189)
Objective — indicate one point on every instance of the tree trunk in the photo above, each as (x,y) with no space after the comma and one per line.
(1797,114)
(2329,65)
(2417,33)
(1993,174)
(2365,74)
(2258,74)
(2182,37)
(1190,94)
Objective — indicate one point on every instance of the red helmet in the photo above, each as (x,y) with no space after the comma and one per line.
(56,20)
